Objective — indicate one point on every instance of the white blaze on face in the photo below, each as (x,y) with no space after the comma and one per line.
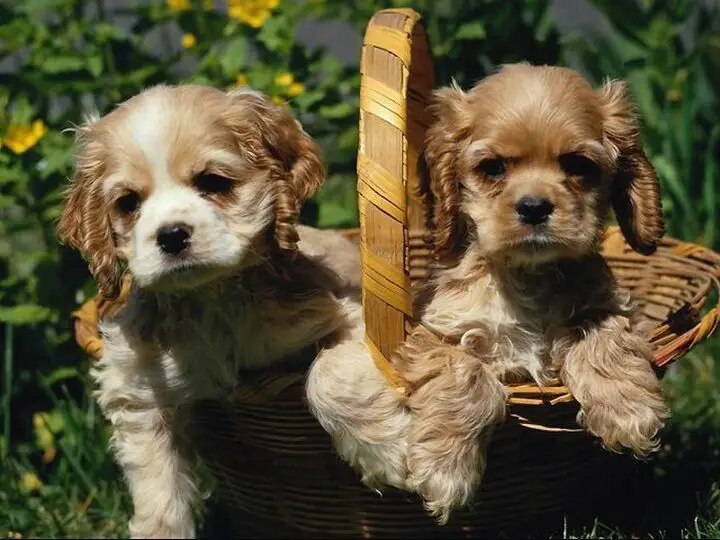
(218,239)
(149,127)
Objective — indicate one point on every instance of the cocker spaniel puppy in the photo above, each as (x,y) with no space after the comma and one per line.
(196,192)
(523,172)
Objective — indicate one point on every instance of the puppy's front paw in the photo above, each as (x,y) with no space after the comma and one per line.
(442,493)
(633,424)
(446,484)
(152,527)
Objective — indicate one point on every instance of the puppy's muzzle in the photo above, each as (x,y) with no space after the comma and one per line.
(534,210)
(174,239)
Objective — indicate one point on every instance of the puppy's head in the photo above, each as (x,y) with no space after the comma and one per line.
(528,163)
(187,184)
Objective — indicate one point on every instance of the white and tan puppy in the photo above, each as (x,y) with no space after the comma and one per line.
(197,193)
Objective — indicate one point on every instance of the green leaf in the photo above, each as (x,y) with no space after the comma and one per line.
(61,374)
(24,314)
(140,76)
(261,77)
(6,201)
(14,33)
(33,6)
(231,27)
(56,160)
(274,35)
(22,111)
(339,110)
(197,78)
(95,64)
(672,180)
(51,214)
(628,19)
(334,215)
(308,99)
(234,57)
(108,32)
(62,64)
(471,30)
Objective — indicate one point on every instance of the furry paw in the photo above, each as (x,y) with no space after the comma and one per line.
(161,528)
(620,423)
(446,484)
(442,492)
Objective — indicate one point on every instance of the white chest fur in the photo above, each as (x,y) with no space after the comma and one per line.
(193,346)
(481,319)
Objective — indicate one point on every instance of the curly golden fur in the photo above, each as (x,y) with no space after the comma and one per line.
(523,172)
(526,293)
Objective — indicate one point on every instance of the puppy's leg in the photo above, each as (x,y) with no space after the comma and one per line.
(609,372)
(354,403)
(148,443)
(454,408)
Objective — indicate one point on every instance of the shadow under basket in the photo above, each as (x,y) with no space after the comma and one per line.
(276,472)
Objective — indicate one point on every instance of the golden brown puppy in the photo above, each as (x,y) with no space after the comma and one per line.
(197,192)
(523,172)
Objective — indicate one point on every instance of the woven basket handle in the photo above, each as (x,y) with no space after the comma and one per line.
(397,79)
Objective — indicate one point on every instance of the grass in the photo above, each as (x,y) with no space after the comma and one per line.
(57,479)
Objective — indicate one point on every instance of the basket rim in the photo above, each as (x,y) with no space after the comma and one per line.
(701,261)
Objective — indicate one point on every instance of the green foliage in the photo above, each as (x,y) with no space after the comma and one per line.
(56,478)
(669,52)
(469,38)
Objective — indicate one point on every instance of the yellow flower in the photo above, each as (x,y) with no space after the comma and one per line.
(241,79)
(178,5)
(184,5)
(21,137)
(31,482)
(49,454)
(44,423)
(189,40)
(284,79)
(252,12)
(295,89)
(278,100)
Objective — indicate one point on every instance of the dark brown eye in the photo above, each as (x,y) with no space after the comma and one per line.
(213,183)
(128,203)
(579,165)
(492,168)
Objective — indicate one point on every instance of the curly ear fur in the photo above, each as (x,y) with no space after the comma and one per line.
(441,151)
(296,165)
(84,222)
(636,191)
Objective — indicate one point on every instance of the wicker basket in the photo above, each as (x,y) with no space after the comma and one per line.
(275,468)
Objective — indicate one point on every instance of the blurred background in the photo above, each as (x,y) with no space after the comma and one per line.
(60,59)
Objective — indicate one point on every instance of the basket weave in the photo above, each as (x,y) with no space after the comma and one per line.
(275,468)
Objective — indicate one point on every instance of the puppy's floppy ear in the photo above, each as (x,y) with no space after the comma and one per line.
(447,129)
(296,165)
(636,191)
(84,222)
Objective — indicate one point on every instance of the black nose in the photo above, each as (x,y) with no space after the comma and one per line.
(173,239)
(534,210)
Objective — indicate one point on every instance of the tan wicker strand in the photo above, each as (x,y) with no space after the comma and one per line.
(276,472)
